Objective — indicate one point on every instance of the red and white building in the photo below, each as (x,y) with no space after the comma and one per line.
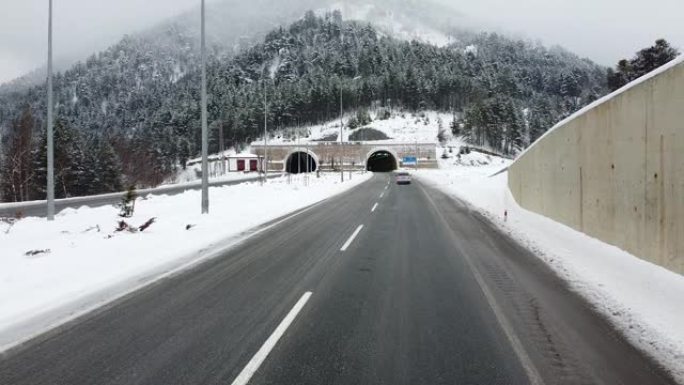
(244,163)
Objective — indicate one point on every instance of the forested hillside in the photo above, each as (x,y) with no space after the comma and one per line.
(138,102)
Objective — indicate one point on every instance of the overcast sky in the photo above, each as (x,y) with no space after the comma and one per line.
(602,30)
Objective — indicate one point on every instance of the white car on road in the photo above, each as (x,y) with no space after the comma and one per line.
(402,177)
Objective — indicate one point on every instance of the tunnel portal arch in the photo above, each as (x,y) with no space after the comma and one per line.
(301,161)
(382,160)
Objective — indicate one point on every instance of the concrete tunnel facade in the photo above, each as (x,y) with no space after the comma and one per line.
(327,156)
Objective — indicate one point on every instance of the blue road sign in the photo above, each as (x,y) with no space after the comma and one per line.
(409,161)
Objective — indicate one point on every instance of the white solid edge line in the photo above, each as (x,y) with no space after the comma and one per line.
(351,238)
(375,206)
(256,361)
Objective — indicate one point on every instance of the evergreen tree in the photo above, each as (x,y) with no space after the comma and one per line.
(644,62)
(39,164)
(90,180)
(108,167)
(455,127)
(16,171)
(70,174)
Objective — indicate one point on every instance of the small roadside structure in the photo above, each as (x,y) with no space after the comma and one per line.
(244,162)
(223,164)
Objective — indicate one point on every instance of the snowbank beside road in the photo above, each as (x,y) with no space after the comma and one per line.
(88,263)
(644,301)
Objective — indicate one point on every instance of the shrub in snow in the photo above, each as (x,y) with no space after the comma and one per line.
(353,124)
(127,204)
(363,117)
(384,114)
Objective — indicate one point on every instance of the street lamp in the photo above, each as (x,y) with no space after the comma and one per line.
(50,125)
(308,161)
(342,130)
(205,134)
(265,161)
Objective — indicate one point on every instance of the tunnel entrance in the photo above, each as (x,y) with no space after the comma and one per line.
(300,162)
(381,161)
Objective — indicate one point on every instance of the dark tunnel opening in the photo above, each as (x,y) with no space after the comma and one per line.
(381,161)
(300,162)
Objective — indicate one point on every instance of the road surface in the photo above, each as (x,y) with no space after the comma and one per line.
(384,284)
(39,208)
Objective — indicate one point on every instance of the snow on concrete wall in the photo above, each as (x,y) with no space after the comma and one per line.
(615,170)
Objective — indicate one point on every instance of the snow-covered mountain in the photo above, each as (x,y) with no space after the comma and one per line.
(409,20)
(142,93)
(233,25)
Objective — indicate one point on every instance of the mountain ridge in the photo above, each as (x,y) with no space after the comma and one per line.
(142,97)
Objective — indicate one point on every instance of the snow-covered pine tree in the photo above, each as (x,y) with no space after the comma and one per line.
(108,167)
(69,158)
(645,61)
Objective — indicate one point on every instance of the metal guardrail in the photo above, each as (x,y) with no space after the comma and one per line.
(499,172)
(39,208)
(487,151)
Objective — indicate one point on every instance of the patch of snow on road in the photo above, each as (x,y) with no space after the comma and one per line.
(644,301)
(83,255)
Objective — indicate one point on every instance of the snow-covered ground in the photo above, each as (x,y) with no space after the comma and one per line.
(88,263)
(644,301)
(193,173)
(403,127)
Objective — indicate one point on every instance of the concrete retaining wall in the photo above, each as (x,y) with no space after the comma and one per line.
(616,170)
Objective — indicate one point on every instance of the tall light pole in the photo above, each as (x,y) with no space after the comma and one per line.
(341,135)
(299,154)
(308,160)
(265,162)
(205,133)
(50,123)
(342,129)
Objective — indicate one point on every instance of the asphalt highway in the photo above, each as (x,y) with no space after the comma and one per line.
(384,284)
